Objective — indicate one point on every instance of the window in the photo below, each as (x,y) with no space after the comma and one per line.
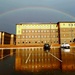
(51,36)
(29,42)
(29,36)
(35,41)
(47,30)
(56,25)
(18,37)
(18,42)
(56,30)
(41,41)
(44,41)
(23,31)
(23,42)
(32,36)
(57,41)
(45,36)
(26,36)
(41,30)
(64,40)
(22,36)
(18,31)
(53,30)
(26,41)
(38,36)
(44,30)
(48,36)
(38,30)
(35,30)
(38,41)
(54,36)
(32,30)
(72,30)
(42,36)
(26,31)
(57,36)
(35,36)
(29,31)
(70,41)
(69,24)
(50,30)
(64,29)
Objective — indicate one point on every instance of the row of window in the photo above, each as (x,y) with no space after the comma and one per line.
(65,41)
(68,30)
(39,36)
(28,31)
(37,42)
(69,35)
(43,60)
(70,24)
(38,25)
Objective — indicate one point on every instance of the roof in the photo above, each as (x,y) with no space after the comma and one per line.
(45,22)
(66,22)
(35,23)
(7,32)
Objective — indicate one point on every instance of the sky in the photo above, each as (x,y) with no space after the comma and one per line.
(13,12)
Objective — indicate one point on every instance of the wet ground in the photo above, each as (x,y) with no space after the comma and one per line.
(37,62)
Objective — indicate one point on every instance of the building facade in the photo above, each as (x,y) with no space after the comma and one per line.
(7,38)
(36,33)
(66,32)
(40,33)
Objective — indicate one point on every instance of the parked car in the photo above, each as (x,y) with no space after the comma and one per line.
(46,47)
(65,46)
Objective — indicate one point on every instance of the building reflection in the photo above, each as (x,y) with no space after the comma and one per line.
(36,59)
(68,59)
(6,52)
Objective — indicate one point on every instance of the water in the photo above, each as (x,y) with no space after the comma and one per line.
(37,62)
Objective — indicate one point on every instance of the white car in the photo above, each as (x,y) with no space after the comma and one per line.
(65,46)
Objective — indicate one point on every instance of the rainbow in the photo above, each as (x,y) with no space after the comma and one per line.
(36,7)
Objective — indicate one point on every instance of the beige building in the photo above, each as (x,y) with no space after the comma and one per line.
(66,32)
(7,38)
(36,33)
(40,33)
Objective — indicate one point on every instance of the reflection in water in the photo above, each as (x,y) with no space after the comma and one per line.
(36,59)
(65,50)
(68,59)
(6,52)
(37,62)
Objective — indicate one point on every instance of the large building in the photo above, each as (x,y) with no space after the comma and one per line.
(7,38)
(40,33)
(66,32)
(36,33)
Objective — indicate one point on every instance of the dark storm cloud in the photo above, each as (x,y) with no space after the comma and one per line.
(8,21)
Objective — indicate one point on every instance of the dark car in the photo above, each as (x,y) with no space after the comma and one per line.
(46,47)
